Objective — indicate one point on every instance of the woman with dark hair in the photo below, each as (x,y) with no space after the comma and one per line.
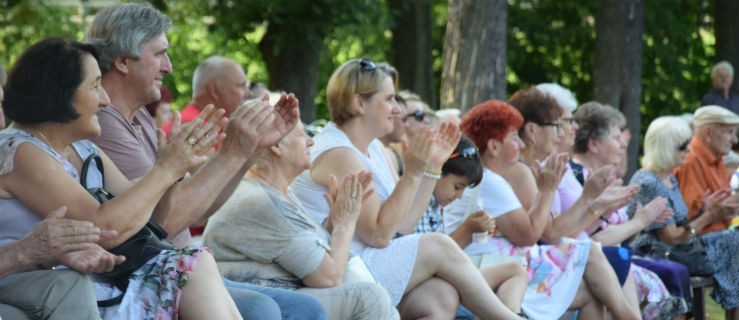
(361,99)
(53,94)
(555,271)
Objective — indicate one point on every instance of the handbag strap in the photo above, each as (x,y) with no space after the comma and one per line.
(86,169)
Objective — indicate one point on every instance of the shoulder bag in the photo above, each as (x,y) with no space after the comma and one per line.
(140,248)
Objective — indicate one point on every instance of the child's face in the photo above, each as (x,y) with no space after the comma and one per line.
(449,188)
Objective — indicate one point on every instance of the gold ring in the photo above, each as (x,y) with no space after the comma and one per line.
(191,141)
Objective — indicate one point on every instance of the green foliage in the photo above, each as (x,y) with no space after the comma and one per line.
(25,22)
(553,41)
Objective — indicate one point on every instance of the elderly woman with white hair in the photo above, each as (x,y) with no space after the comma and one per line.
(665,146)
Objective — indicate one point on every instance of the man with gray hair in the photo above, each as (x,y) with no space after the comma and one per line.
(133,59)
(722,76)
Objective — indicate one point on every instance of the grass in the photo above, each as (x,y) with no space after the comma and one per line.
(713,310)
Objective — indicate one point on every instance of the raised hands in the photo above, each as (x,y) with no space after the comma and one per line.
(599,181)
(614,197)
(429,149)
(721,205)
(256,124)
(191,143)
(549,176)
(654,211)
(345,200)
(71,242)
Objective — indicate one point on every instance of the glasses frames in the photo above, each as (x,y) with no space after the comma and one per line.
(557,126)
(467,153)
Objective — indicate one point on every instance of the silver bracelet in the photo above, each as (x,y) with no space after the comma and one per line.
(432,175)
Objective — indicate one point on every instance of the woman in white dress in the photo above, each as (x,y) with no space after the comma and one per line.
(361,99)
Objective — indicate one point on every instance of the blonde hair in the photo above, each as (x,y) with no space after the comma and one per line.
(664,136)
(352,78)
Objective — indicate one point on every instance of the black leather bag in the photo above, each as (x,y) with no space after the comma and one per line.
(692,255)
(140,248)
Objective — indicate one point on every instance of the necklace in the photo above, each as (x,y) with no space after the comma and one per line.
(49,143)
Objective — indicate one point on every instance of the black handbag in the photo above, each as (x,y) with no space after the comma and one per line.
(140,248)
(693,255)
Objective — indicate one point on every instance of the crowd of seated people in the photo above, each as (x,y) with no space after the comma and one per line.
(514,209)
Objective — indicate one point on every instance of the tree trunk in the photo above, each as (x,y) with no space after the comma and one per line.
(726,28)
(411,47)
(617,74)
(293,65)
(474,53)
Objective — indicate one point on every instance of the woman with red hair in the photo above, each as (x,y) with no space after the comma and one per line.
(555,271)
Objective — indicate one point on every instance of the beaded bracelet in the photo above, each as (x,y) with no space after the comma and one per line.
(432,174)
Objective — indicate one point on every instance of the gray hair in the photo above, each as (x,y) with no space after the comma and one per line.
(664,135)
(208,70)
(120,30)
(722,65)
(564,97)
(595,120)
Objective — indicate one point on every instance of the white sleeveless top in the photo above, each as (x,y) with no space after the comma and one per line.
(310,193)
(392,266)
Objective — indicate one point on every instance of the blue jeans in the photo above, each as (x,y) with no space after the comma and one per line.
(257,302)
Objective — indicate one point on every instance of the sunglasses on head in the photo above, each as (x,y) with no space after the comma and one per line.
(367,65)
(683,146)
(467,153)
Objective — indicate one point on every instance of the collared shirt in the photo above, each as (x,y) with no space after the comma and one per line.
(702,171)
(716,97)
(432,220)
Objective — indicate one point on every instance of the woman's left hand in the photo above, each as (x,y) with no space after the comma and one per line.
(192,146)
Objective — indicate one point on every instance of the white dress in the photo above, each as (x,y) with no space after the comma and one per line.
(391,266)
(555,271)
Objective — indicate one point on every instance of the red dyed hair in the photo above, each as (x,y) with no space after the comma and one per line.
(492,119)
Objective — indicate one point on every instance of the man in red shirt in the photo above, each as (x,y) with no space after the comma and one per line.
(714,131)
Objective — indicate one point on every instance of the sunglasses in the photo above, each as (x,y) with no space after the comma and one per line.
(683,146)
(366,65)
(418,115)
(467,153)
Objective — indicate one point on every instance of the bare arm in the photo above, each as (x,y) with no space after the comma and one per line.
(525,226)
(479,221)
(345,202)
(643,217)
(251,127)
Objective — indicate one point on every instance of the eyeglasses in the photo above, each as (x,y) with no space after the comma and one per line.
(683,146)
(569,121)
(467,153)
(366,65)
(557,126)
(418,115)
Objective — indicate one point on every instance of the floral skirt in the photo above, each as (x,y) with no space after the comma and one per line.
(154,290)
(660,304)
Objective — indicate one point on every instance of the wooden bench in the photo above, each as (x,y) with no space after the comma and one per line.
(699,285)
